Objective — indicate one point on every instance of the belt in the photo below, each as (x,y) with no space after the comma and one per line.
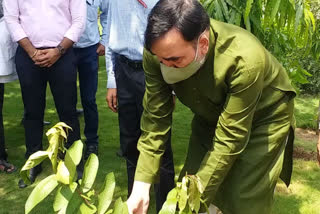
(136,64)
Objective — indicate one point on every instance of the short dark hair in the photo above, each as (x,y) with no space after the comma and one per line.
(187,16)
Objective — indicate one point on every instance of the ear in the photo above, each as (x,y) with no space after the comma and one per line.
(204,44)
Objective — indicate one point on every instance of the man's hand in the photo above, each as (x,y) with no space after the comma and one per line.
(111,99)
(47,57)
(101,50)
(138,201)
(35,55)
(318,150)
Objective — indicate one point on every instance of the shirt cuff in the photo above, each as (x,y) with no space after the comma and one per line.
(18,35)
(111,82)
(72,36)
(144,175)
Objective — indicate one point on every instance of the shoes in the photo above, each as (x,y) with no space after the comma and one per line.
(45,123)
(34,172)
(90,149)
(79,112)
(7,167)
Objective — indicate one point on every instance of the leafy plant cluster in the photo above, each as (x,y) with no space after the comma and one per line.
(185,197)
(284,27)
(312,61)
(71,196)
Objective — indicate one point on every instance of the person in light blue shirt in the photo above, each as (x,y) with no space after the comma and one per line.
(87,51)
(127,21)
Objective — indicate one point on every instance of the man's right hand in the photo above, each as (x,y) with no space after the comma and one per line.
(111,99)
(138,202)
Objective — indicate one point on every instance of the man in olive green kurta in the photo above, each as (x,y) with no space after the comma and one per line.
(242,102)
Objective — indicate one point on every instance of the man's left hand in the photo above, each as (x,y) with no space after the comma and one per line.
(47,57)
(101,50)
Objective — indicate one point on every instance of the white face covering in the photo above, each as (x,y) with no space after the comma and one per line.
(173,75)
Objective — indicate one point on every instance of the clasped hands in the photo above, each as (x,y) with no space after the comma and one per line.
(45,57)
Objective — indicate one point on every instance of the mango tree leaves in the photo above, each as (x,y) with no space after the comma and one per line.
(89,173)
(40,192)
(183,196)
(170,206)
(105,197)
(60,129)
(86,208)
(194,196)
(34,160)
(73,157)
(74,203)
(53,149)
(63,174)
(187,194)
(63,196)
(120,207)
(56,136)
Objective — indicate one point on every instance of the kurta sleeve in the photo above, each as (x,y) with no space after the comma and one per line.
(232,132)
(156,121)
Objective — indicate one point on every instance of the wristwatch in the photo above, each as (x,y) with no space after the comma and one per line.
(61,49)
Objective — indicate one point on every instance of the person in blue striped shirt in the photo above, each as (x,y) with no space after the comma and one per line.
(127,21)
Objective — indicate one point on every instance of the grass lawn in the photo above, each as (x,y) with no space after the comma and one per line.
(303,196)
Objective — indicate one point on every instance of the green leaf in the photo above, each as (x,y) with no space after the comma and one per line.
(40,192)
(63,174)
(218,11)
(271,10)
(74,153)
(186,210)
(224,9)
(89,173)
(33,160)
(105,197)
(199,184)
(120,207)
(63,196)
(183,196)
(73,157)
(87,209)
(74,203)
(194,195)
(299,15)
(54,142)
(57,135)
(170,205)
(247,13)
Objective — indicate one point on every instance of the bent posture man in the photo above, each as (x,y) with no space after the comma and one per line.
(242,101)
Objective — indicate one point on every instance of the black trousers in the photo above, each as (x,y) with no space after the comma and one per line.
(33,79)
(87,64)
(3,154)
(130,81)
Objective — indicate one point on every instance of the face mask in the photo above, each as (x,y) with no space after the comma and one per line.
(173,75)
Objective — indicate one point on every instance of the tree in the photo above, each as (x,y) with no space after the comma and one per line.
(283,26)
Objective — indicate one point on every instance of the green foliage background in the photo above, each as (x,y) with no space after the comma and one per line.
(284,27)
